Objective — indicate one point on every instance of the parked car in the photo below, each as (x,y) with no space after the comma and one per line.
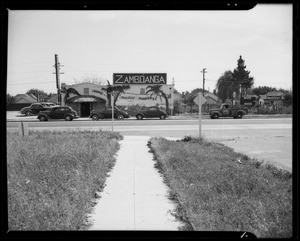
(35,108)
(58,112)
(107,113)
(152,112)
(227,110)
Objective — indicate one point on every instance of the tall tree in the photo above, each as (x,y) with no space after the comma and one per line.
(90,78)
(157,90)
(67,92)
(262,90)
(39,94)
(242,77)
(225,86)
(10,99)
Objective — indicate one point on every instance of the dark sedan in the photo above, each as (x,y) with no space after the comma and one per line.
(35,108)
(60,112)
(107,114)
(152,112)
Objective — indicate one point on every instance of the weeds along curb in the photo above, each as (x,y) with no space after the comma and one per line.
(179,213)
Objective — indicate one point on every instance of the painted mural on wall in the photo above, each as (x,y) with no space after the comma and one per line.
(137,95)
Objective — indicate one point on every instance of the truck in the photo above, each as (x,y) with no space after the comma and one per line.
(236,111)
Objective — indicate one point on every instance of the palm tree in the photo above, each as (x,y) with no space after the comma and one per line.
(67,92)
(119,89)
(108,90)
(156,90)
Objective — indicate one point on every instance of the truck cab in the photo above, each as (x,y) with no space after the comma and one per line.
(227,110)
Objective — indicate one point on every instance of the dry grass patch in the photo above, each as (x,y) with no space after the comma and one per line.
(220,190)
(53,177)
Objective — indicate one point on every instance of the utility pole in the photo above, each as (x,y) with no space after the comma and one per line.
(203,71)
(57,73)
(112,109)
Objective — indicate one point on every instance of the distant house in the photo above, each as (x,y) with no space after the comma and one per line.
(249,100)
(25,99)
(272,99)
(211,99)
(21,100)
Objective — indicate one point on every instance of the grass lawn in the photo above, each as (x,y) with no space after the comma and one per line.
(53,177)
(217,189)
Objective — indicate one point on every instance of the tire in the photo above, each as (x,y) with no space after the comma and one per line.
(162,117)
(28,113)
(120,117)
(139,117)
(95,118)
(215,116)
(42,118)
(239,115)
(68,118)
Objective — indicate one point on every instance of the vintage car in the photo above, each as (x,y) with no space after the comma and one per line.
(58,112)
(107,114)
(152,112)
(35,108)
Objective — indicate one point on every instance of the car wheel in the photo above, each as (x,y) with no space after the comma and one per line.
(28,113)
(42,118)
(139,117)
(239,115)
(95,117)
(120,117)
(162,117)
(68,118)
(215,116)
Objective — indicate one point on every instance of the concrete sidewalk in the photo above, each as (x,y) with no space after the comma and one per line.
(135,197)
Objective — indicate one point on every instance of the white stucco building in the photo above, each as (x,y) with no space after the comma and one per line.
(94,97)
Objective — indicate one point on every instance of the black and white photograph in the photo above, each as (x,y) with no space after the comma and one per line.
(151,120)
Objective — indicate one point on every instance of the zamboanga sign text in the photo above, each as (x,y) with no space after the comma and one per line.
(139,79)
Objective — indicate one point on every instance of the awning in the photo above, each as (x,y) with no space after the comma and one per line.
(85,99)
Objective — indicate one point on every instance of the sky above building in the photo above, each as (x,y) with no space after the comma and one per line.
(179,43)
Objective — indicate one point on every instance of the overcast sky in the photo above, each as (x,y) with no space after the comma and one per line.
(179,43)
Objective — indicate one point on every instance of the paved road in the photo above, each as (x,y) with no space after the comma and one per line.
(265,139)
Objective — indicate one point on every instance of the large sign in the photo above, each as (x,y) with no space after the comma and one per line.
(133,79)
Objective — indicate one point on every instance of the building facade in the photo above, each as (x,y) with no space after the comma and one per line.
(94,97)
(272,100)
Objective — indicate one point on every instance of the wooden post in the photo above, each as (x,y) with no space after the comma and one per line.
(25,128)
(20,128)
(199,116)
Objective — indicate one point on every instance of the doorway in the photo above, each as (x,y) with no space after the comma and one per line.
(85,109)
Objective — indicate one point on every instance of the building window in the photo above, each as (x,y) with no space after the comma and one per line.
(86,91)
(142,91)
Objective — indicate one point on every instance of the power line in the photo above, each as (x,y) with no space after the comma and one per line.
(31,83)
